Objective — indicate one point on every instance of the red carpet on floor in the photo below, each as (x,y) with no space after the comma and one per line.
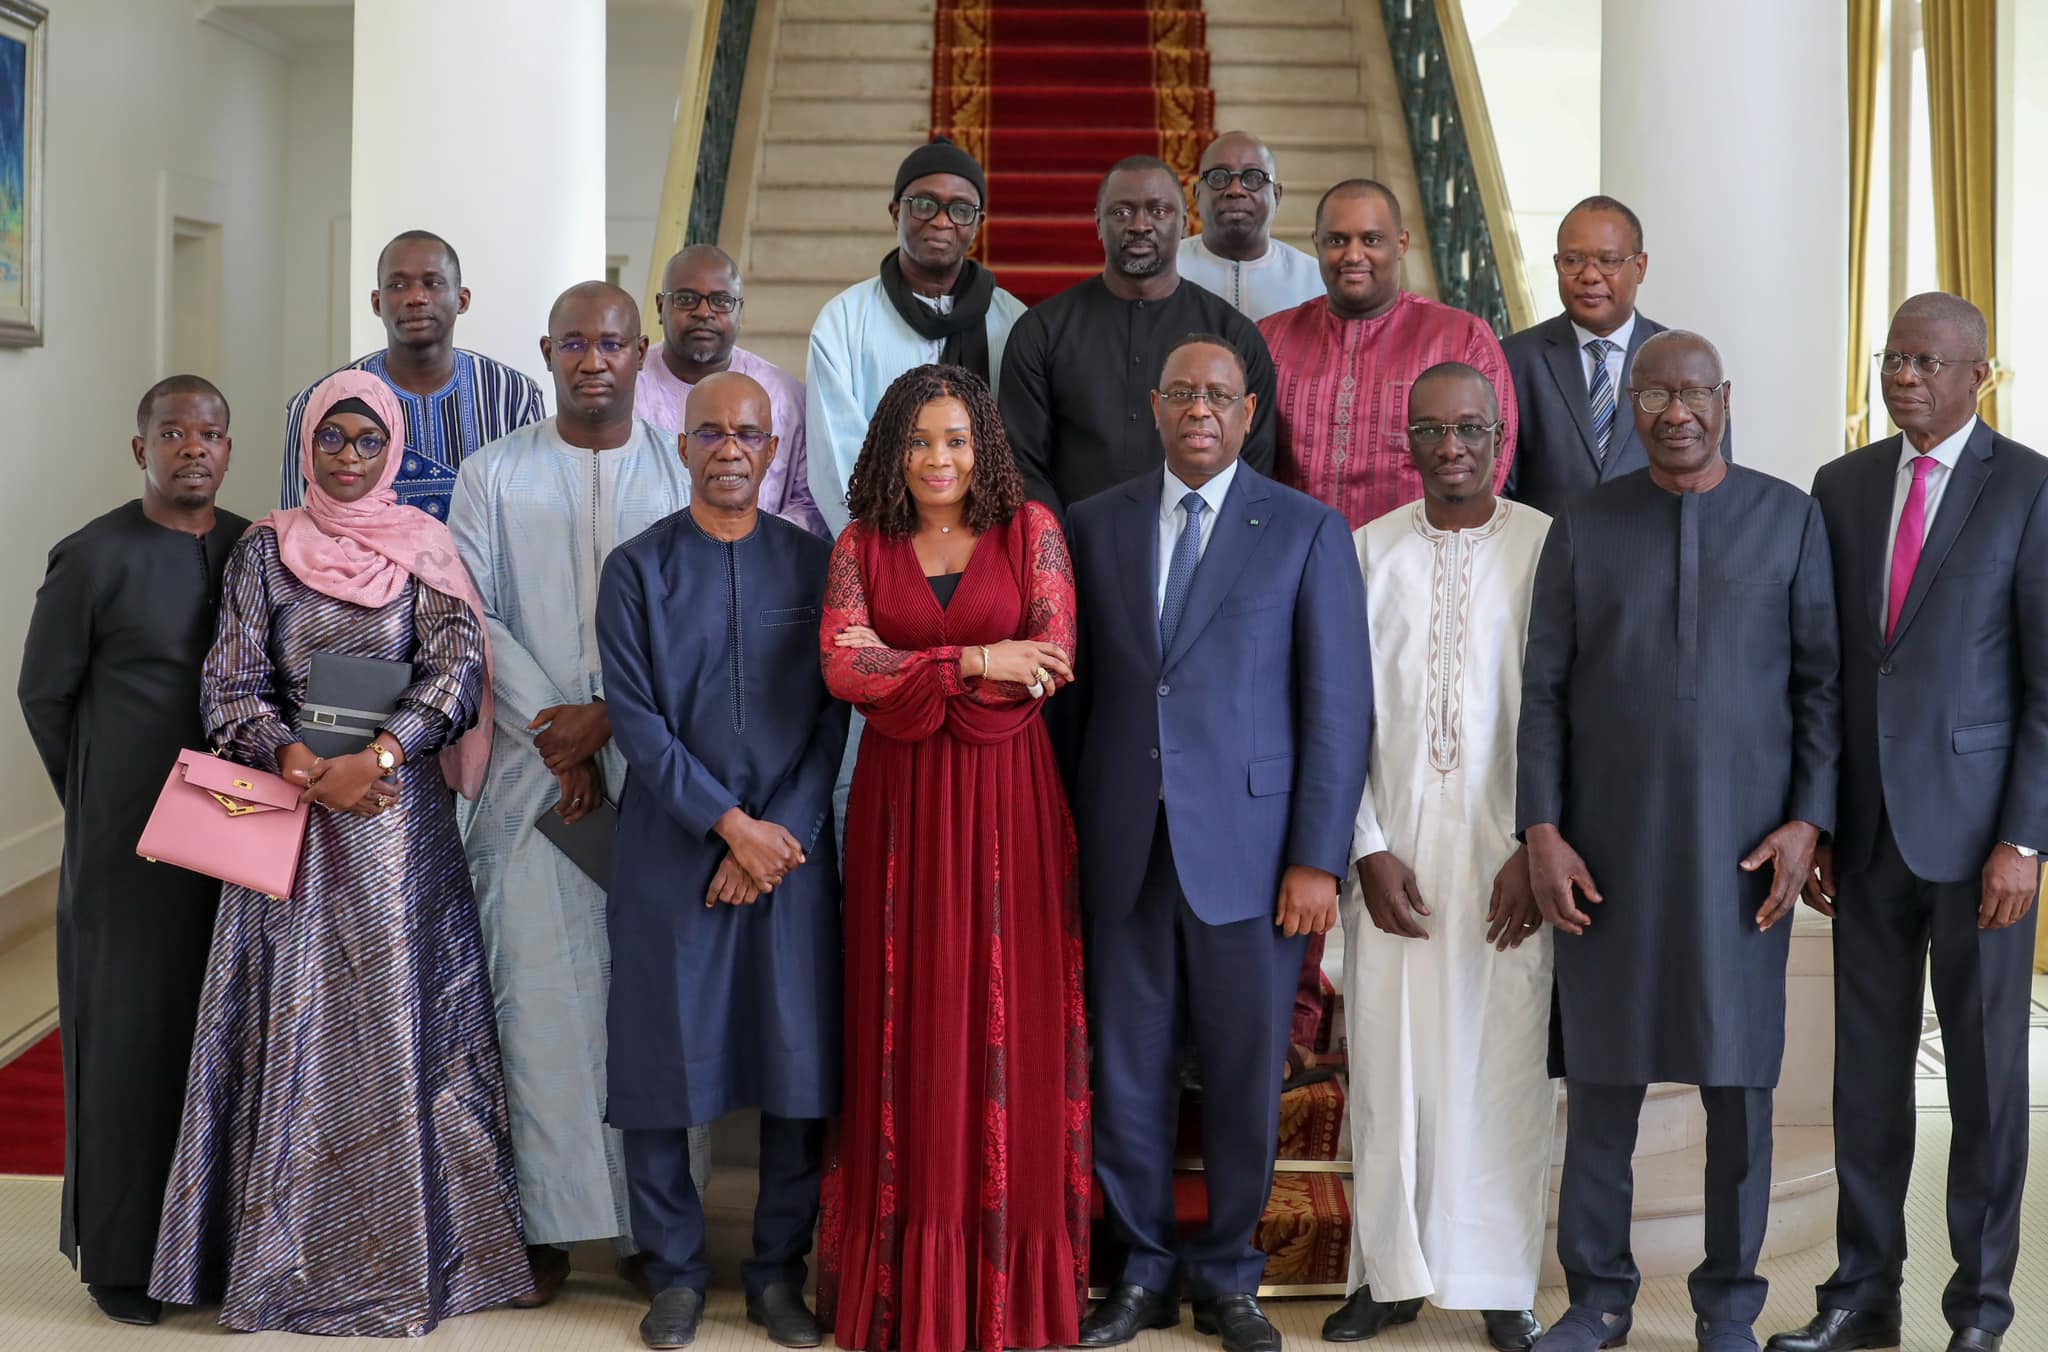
(32,1110)
(1048,94)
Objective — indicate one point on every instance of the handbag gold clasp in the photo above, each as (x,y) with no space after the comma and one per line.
(234,808)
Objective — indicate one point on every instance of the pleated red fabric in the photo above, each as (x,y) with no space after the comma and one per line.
(957,1176)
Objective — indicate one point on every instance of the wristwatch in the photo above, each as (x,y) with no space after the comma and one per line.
(386,762)
(2023,851)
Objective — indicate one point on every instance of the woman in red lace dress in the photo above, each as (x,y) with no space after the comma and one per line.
(956,1179)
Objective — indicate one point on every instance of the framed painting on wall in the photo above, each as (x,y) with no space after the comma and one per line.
(23,28)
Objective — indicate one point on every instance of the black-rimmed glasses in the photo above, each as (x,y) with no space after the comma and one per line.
(924,208)
(1219,179)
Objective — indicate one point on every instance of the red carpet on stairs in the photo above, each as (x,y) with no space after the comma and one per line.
(1048,94)
(32,1110)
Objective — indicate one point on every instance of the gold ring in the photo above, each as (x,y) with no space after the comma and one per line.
(1044,676)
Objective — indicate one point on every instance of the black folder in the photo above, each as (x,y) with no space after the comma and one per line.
(348,699)
(587,842)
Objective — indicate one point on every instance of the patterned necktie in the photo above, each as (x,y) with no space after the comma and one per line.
(1906,545)
(1601,391)
(1180,572)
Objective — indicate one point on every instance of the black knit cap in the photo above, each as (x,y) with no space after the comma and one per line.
(941,156)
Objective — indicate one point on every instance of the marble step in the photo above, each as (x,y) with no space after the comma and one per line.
(865,163)
(1279,34)
(836,256)
(890,38)
(834,117)
(874,77)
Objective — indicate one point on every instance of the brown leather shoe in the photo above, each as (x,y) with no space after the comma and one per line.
(550,1269)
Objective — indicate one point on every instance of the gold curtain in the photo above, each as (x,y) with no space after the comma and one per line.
(1863,29)
(1962,114)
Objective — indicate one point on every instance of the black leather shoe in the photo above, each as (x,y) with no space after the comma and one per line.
(1840,1331)
(126,1304)
(672,1320)
(1724,1335)
(780,1309)
(1511,1330)
(1127,1312)
(1975,1340)
(1362,1317)
(1242,1324)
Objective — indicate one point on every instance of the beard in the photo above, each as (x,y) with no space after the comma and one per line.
(1142,266)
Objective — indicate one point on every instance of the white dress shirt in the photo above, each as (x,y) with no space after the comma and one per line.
(1945,454)
(1172,515)
(1616,356)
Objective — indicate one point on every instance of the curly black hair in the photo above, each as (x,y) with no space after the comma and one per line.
(878,495)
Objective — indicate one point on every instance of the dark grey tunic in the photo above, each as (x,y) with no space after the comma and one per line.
(110,691)
(1679,703)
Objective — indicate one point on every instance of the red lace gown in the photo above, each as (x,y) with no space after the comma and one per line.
(956,1178)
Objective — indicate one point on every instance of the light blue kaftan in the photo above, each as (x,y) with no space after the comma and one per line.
(534,519)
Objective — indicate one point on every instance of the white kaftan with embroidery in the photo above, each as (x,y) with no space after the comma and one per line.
(1452,1111)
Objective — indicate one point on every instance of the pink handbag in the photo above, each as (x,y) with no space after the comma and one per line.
(230,822)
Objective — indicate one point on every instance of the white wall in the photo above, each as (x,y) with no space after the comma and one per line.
(134,92)
(1539,62)
(2023,298)
(644,76)
(317,298)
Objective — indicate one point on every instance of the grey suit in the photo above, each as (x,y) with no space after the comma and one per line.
(1945,739)
(1555,457)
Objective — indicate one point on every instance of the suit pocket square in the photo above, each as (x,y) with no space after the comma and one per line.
(1274,774)
(1982,737)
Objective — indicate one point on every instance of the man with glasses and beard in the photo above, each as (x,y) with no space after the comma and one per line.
(1676,761)
(929,303)
(1347,358)
(1076,391)
(700,303)
(1236,256)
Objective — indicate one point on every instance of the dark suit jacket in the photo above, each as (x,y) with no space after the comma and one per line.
(1554,459)
(1945,728)
(1257,724)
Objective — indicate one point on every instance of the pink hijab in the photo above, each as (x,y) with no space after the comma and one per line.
(365,551)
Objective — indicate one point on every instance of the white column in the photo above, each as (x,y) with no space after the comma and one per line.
(484,122)
(1725,126)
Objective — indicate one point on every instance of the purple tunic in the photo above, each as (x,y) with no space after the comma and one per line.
(344,1164)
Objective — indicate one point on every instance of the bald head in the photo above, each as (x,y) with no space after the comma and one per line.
(699,307)
(728,442)
(1448,383)
(1352,189)
(1237,218)
(1675,347)
(594,348)
(1965,321)
(587,298)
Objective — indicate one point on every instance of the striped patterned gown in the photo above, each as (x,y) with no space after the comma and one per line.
(344,1165)
(481,402)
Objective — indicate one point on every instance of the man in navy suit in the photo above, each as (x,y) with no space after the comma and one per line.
(1576,429)
(1940,543)
(1225,729)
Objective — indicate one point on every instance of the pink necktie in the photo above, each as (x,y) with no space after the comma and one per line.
(1906,544)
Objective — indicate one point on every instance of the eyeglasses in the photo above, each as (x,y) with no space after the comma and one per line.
(923,208)
(1698,398)
(1925,365)
(576,347)
(1217,400)
(721,302)
(1254,180)
(369,444)
(1571,264)
(709,439)
(1472,436)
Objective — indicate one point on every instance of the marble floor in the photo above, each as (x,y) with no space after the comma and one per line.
(43,1309)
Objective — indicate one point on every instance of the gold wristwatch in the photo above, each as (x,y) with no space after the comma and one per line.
(386,762)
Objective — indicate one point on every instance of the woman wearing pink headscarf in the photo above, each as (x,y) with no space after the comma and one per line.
(344,1165)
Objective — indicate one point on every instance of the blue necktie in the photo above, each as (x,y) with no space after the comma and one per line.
(1601,390)
(1180,571)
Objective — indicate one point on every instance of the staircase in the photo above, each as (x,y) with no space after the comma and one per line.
(848,94)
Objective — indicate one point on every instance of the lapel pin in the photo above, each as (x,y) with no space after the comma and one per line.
(1255,521)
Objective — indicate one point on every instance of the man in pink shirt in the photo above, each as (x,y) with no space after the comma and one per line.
(700,303)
